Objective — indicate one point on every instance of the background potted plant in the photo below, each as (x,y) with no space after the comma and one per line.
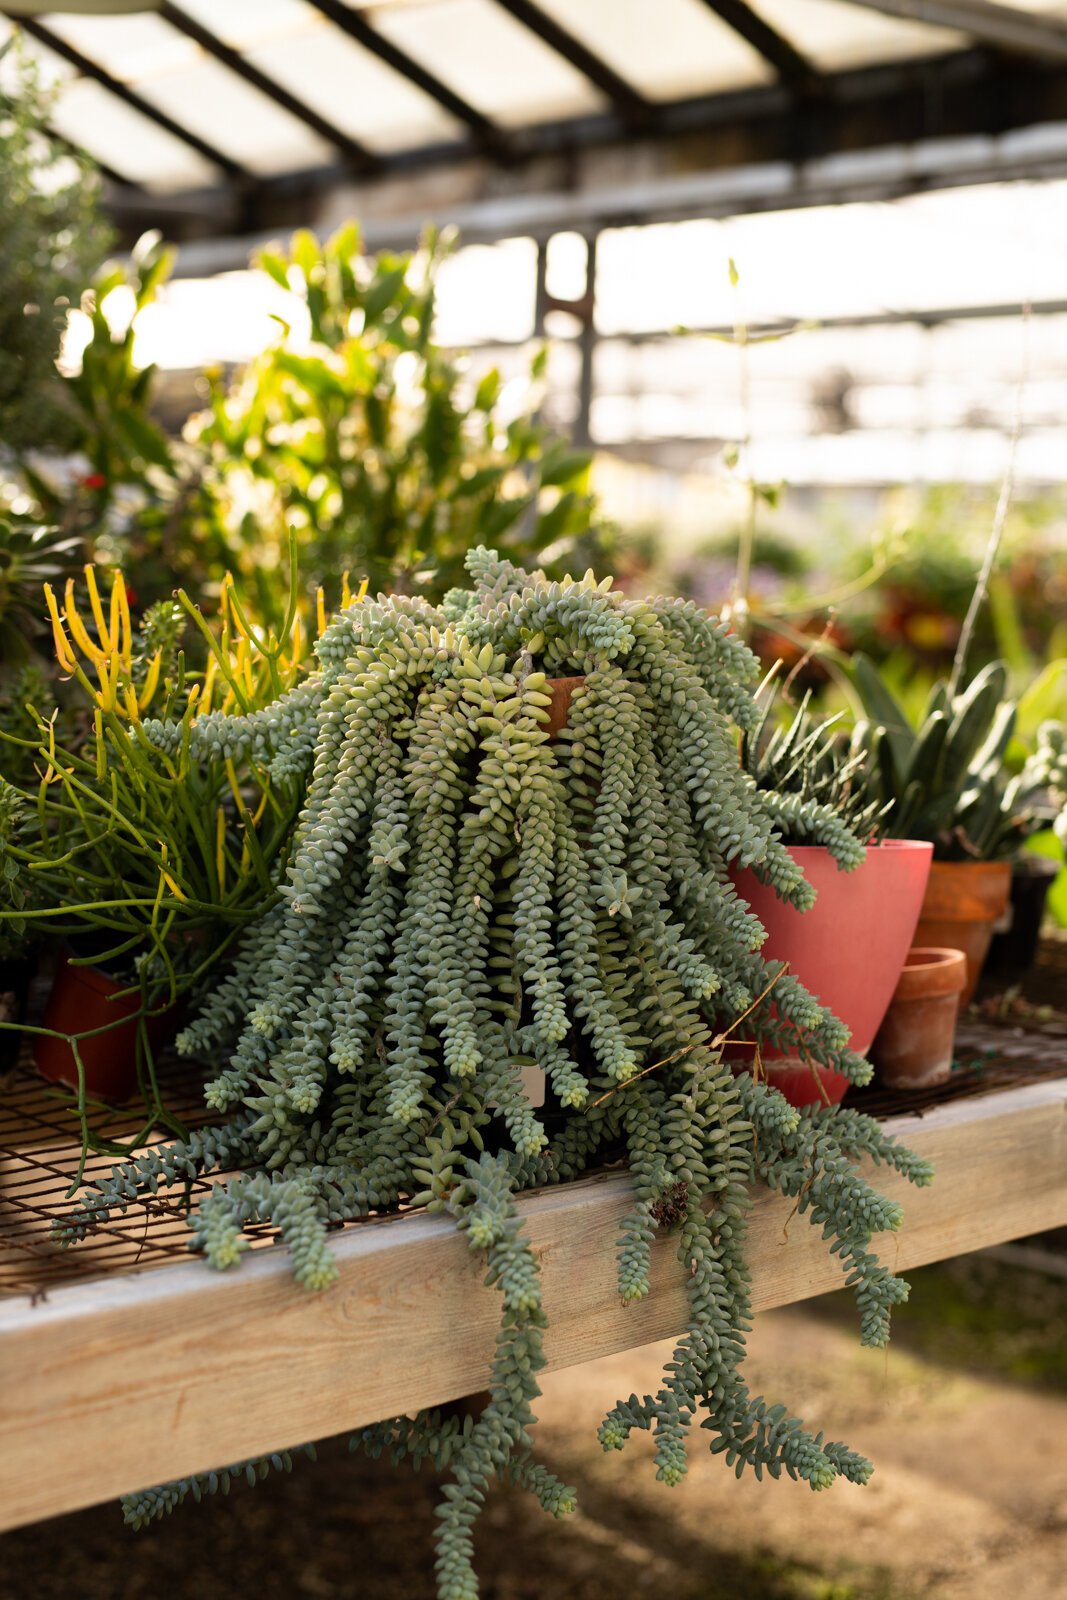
(849,947)
(949,783)
(145,860)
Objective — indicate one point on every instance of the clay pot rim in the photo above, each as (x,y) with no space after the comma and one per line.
(965,892)
(930,971)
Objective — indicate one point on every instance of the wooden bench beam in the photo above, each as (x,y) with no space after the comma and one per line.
(115,1384)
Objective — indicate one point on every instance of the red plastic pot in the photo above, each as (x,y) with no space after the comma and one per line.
(913,1049)
(848,950)
(83,999)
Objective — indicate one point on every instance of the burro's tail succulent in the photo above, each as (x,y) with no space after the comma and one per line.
(465,897)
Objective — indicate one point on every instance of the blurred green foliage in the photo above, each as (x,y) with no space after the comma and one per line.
(354,428)
(51,242)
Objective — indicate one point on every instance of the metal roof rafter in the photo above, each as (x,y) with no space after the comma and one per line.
(121,91)
(362,158)
(351,22)
(1002,27)
(790,65)
(631,105)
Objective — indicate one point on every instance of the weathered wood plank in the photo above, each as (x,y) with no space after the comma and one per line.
(111,1385)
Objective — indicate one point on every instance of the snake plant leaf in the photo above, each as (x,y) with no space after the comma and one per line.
(882,706)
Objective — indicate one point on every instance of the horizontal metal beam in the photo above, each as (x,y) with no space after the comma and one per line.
(789,64)
(722,156)
(362,159)
(630,104)
(486,134)
(1003,27)
(121,91)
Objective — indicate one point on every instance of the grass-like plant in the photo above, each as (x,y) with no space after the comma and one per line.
(465,897)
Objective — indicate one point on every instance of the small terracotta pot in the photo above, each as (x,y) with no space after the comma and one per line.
(82,999)
(914,1045)
(847,950)
(964,899)
(561,690)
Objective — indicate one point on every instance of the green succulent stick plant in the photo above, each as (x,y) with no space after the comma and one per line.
(947,780)
(465,896)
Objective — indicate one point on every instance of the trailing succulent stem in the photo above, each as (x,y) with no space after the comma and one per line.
(466,898)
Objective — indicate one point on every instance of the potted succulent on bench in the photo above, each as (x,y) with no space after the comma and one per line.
(850,947)
(948,783)
(148,861)
(465,896)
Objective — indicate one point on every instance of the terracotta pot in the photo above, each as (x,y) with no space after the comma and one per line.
(914,1045)
(964,899)
(82,999)
(847,950)
(561,690)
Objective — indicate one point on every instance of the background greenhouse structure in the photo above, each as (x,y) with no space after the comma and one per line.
(786,278)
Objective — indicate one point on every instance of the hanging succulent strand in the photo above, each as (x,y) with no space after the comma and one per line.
(465,897)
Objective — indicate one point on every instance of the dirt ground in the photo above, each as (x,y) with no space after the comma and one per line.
(965,1418)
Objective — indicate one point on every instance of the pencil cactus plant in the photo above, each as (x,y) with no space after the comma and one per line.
(464,896)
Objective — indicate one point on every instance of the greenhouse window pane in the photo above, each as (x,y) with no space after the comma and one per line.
(213,102)
(246,23)
(129,48)
(669,49)
(837,36)
(487,57)
(353,90)
(103,126)
(486,292)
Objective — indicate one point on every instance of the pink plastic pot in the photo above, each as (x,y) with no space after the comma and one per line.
(848,950)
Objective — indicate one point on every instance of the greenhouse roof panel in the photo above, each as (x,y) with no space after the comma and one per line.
(668,49)
(258,90)
(485,53)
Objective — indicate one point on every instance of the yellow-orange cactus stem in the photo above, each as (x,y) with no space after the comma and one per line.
(97,608)
(220,847)
(64,654)
(151,681)
(118,594)
(78,631)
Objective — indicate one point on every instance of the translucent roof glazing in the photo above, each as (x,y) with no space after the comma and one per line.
(264,88)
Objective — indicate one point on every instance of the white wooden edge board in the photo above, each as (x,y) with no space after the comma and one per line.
(110,1385)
